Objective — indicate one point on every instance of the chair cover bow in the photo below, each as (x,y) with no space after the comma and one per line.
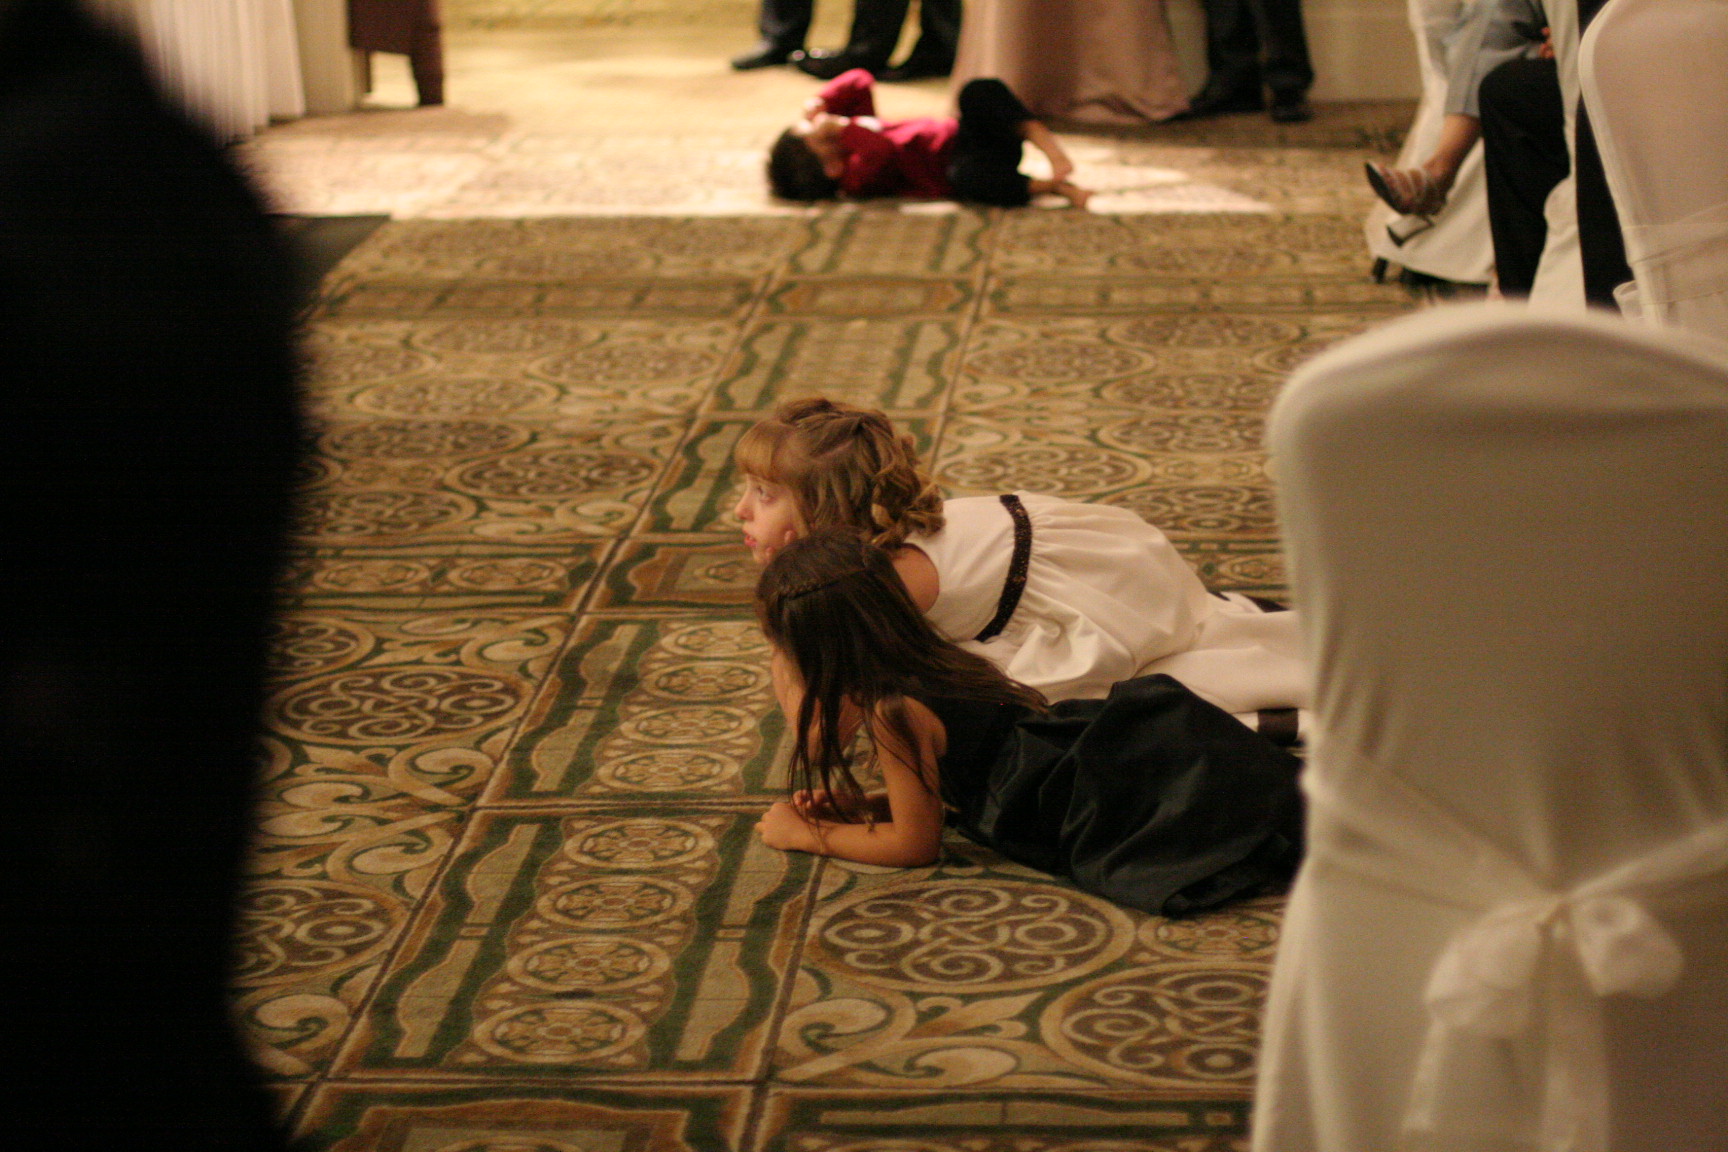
(1484,981)
(1522,983)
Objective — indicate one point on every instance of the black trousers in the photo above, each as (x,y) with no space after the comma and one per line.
(1524,150)
(785,22)
(1250,42)
(1600,243)
(875,28)
(985,168)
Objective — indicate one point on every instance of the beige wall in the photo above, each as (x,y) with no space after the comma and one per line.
(327,64)
(1362,50)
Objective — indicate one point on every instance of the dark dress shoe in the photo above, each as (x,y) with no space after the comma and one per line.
(825,64)
(766,54)
(913,68)
(1215,103)
(1291,108)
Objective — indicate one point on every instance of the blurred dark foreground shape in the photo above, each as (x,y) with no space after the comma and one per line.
(148,433)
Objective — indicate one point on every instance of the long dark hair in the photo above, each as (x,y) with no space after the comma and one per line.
(833,604)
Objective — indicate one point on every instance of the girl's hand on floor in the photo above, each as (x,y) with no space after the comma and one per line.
(782,827)
(815,804)
(819,805)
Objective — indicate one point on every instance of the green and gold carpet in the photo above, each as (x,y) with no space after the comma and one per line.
(506,895)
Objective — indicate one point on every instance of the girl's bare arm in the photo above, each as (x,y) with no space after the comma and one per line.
(1045,141)
(1066,189)
(912,834)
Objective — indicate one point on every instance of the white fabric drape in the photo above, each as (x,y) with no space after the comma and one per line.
(1654,74)
(1507,531)
(1458,247)
(234,63)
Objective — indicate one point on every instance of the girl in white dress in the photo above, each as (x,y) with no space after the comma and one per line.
(1065,597)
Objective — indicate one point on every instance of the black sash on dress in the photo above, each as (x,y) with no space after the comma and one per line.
(1016,582)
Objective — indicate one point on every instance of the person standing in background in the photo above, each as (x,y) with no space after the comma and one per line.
(1252,44)
(1525,153)
(875,31)
(783,25)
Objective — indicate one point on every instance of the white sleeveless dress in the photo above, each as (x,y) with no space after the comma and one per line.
(1107,598)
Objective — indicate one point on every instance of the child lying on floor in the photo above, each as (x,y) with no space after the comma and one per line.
(1063,596)
(840,148)
(1151,798)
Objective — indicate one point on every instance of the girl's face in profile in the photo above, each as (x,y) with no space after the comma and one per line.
(769,516)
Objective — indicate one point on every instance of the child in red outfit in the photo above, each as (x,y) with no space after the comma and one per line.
(840,148)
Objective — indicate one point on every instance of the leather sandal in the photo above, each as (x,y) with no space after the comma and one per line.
(1407,191)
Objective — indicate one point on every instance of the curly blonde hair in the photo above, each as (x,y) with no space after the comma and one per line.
(846,467)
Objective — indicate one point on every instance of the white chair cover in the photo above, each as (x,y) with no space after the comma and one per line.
(1507,531)
(1458,247)
(1655,78)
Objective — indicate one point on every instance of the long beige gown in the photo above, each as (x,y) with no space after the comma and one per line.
(1089,61)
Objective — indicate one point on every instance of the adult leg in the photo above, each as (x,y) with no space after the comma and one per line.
(1422,190)
(426,61)
(875,31)
(1599,241)
(1284,49)
(783,25)
(1524,151)
(985,168)
(938,40)
(1600,245)
(1232,60)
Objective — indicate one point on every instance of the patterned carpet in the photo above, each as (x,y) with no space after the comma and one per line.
(506,894)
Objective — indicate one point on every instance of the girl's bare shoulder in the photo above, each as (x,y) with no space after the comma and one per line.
(918,572)
(927,727)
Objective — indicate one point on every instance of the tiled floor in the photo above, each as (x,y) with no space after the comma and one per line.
(507,888)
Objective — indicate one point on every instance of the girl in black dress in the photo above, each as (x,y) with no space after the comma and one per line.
(1151,798)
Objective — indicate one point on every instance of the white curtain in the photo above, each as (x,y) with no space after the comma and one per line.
(234,63)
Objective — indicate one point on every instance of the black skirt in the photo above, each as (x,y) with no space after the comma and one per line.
(1152,798)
